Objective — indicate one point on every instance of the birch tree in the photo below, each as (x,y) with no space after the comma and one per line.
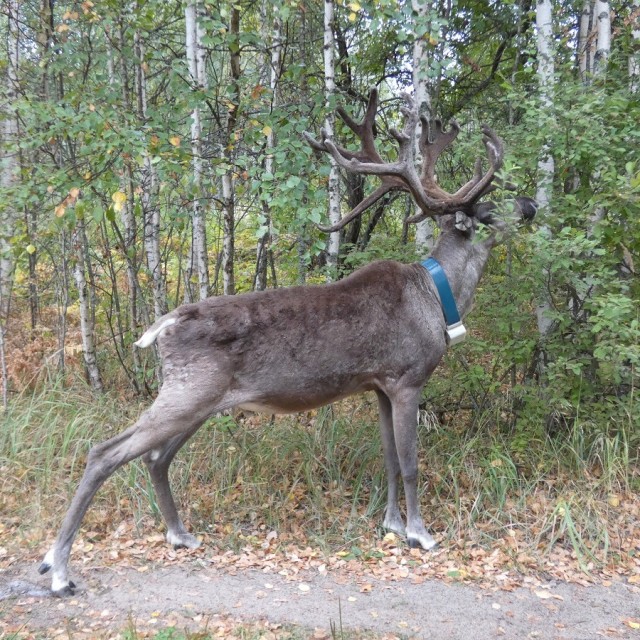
(87,320)
(546,164)
(634,56)
(228,180)
(273,66)
(196,60)
(586,41)
(422,95)
(9,165)
(9,168)
(149,185)
(594,39)
(333,187)
(603,29)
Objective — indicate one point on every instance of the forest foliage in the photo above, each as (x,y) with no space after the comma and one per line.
(100,161)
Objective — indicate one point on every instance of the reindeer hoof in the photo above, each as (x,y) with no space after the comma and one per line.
(68,590)
(182,540)
(421,540)
(414,543)
(47,562)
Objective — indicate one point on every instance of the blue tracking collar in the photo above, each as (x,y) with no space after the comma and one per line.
(455,329)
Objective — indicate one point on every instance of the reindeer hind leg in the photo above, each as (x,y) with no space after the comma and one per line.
(160,423)
(158,462)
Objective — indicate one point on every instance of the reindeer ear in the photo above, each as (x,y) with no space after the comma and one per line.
(463,221)
(482,212)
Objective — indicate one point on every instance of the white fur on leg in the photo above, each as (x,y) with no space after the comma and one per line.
(182,540)
(59,584)
(393,522)
(48,558)
(420,537)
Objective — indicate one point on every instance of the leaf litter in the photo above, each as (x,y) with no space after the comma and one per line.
(501,567)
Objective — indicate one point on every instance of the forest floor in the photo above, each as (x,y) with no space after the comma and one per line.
(141,588)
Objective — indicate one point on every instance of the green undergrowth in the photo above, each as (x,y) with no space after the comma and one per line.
(318,478)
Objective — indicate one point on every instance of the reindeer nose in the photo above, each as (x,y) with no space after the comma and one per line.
(528,208)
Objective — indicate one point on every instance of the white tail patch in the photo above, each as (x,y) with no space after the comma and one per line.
(151,334)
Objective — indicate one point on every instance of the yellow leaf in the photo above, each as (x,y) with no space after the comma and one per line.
(119,199)
(92,107)
(87,176)
(353,17)
(355,6)
(267,130)
(74,193)
(433,41)
(59,210)
(30,249)
(635,579)
(175,141)
(62,28)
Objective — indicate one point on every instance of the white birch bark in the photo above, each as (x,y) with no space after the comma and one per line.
(586,40)
(422,95)
(603,30)
(546,164)
(149,186)
(634,56)
(228,183)
(196,61)
(333,187)
(273,70)
(87,327)
(9,159)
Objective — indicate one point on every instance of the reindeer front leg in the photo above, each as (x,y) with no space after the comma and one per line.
(404,405)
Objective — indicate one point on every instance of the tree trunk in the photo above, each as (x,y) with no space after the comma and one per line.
(603,26)
(333,187)
(197,71)
(586,41)
(87,326)
(634,56)
(9,159)
(63,299)
(149,185)
(422,96)
(228,187)
(546,165)
(262,252)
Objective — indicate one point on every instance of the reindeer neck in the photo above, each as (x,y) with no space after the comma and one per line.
(463,262)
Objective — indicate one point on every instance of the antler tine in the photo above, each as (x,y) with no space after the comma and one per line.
(430,149)
(478,185)
(360,208)
(365,130)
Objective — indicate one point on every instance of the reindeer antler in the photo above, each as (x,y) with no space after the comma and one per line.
(402,175)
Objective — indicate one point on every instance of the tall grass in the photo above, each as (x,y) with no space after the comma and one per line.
(319,476)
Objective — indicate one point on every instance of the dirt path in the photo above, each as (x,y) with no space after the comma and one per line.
(192,596)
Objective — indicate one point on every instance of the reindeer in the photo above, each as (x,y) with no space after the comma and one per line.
(381,329)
